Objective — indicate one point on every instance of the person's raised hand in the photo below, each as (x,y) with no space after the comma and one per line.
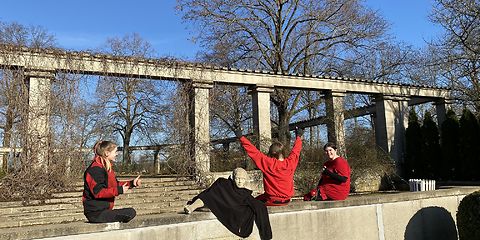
(299,132)
(137,181)
(238,132)
(125,187)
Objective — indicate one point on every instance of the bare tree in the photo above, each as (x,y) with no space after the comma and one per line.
(131,103)
(13,94)
(282,36)
(457,53)
(386,61)
(230,107)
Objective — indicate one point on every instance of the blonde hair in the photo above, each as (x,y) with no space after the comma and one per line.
(101,148)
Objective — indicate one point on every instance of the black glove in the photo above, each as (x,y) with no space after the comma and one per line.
(298,132)
(335,176)
(238,132)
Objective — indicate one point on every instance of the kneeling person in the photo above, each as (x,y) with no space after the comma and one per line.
(334,183)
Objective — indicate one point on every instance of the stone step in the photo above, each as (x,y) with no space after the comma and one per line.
(75,197)
(37,208)
(72,215)
(148,179)
(148,194)
(76,202)
(69,230)
(169,188)
(147,184)
(151,204)
(44,220)
(41,214)
(156,196)
(136,200)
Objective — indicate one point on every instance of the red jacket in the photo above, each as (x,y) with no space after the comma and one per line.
(331,188)
(100,187)
(277,175)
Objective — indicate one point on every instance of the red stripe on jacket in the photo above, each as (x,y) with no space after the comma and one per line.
(103,190)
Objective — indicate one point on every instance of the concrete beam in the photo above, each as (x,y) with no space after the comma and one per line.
(96,64)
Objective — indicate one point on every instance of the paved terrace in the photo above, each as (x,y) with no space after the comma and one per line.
(389,215)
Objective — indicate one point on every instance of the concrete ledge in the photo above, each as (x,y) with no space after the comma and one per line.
(394,215)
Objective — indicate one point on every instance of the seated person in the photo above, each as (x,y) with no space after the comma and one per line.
(234,206)
(277,169)
(101,187)
(334,183)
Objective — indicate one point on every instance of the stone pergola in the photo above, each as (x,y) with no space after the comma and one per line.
(390,108)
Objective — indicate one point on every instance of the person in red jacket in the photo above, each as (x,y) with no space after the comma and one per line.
(277,170)
(101,187)
(334,181)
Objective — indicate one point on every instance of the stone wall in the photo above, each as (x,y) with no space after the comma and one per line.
(391,216)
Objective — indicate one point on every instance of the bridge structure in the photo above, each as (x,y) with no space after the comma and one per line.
(390,108)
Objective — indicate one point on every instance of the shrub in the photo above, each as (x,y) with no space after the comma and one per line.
(468,217)
(308,170)
(32,184)
(2,173)
(226,161)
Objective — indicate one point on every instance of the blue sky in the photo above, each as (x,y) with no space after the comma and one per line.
(86,24)
(408,19)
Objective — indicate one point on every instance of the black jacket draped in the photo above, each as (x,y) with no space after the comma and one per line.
(236,208)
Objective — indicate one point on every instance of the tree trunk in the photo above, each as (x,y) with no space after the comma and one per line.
(126,149)
(283,122)
(7,134)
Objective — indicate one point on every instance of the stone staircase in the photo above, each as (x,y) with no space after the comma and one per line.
(157,195)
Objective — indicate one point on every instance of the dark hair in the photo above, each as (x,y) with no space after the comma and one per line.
(276,150)
(330,144)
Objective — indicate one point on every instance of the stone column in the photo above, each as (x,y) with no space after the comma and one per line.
(261,115)
(390,122)
(39,84)
(335,119)
(156,161)
(441,106)
(3,157)
(200,123)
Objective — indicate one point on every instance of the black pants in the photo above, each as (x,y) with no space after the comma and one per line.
(115,215)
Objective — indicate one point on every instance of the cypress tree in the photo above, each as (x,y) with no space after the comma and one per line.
(431,147)
(469,133)
(449,141)
(413,141)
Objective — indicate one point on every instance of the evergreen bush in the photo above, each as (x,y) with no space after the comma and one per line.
(414,167)
(469,142)
(430,148)
(449,140)
(468,217)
